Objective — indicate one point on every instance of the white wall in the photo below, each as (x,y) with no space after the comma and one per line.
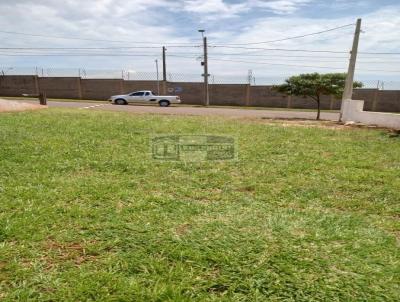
(353,112)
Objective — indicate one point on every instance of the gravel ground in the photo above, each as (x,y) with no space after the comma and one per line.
(7,106)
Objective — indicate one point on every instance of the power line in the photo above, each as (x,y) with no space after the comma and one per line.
(294,65)
(308,66)
(280,55)
(178,43)
(304,50)
(330,61)
(16,53)
(266,63)
(88,39)
(279,49)
(297,56)
(295,37)
(378,53)
(77,55)
(86,48)
(279,64)
(39,51)
(25,54)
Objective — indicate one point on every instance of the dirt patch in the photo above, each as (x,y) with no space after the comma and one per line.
(74,252)
(182,229)
(10,106)
(298,122)
(307,123)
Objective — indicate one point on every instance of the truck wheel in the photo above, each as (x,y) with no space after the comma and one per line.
(120,102)
(164,103)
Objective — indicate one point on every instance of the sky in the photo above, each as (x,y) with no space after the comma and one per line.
(130,34)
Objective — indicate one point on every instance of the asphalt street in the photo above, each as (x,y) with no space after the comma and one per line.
(188,110)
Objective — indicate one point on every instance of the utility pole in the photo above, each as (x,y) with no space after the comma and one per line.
(164,64)
(348,88)
(206,75)
(158,81)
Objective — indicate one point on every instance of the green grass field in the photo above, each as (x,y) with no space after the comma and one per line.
(305,214)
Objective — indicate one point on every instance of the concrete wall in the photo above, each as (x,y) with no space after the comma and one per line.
(368,95)
(60,87)
(264,96)
(17,85)
(388,101)
(190,93)
(227,94)
(353,112)
(131,86)
(100,89)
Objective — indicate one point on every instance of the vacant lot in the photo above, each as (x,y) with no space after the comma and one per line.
(305,214)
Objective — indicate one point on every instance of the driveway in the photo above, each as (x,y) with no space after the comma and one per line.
(188,110)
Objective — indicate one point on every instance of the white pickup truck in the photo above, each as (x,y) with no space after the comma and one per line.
(144,96)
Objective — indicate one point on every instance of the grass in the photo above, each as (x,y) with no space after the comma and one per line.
(305,214)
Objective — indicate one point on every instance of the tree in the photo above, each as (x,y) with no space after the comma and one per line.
(314,85)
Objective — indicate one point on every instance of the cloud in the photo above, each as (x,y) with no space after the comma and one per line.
(280,7)
(217,9)
(212,8)
(165,21)
(379,35)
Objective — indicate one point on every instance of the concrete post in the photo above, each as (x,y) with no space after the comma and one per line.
(79,88)
(348,89)
(37,89)
(289,101)
(121,86)
(375,100)
(247,102)
(332,102)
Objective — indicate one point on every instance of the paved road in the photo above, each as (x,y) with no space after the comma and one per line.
(187,110)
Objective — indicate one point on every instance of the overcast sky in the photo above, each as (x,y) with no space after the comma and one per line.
(157,22)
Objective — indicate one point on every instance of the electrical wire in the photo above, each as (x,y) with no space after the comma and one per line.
(85,48)
(296,65)
(36,51)
(191,57)
(279,49)
(78,55)
(279,64)
(378,53)
(87,39)
(294,37)
(298,58)
(304,50)
(178,43)
(280,55)
(308,66)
